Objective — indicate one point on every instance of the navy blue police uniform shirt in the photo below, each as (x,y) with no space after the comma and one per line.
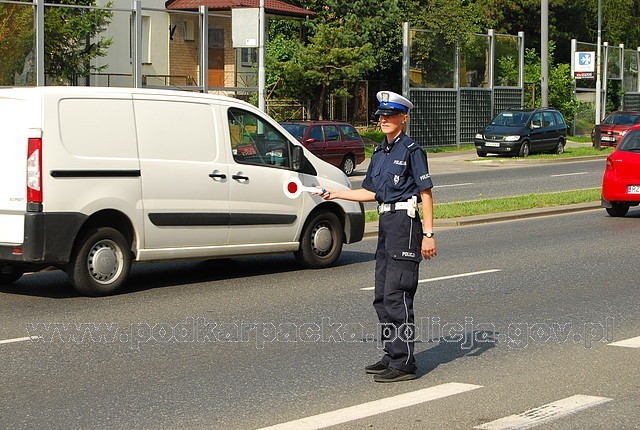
(397,173)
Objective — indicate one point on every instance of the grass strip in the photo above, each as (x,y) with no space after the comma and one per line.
(507,204)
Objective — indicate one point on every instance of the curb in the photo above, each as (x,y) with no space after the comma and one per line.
(371,228)
(507,161)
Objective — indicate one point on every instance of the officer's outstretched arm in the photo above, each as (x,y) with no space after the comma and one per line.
(359,195)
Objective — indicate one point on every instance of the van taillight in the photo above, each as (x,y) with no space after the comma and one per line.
(34,171)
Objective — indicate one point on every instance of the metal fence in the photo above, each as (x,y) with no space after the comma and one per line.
(620,78)
(457,88)
(150,47)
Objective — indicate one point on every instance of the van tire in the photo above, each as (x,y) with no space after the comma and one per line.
(114,249)
(9,275)
(321,241)
(617,210)
(348,165)
(524,149)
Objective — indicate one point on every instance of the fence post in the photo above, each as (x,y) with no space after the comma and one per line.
(492,58)
(137,44)
(638,71)
(521,65)
(456,86)
(204,48)
(406,64)
(39,27)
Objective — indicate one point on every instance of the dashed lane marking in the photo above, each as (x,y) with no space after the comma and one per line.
(569,174)
(374,408)
(443,278)
(546,413)
(453,185)
(17,339)
(634,342)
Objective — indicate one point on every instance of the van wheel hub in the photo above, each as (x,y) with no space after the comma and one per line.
(103,261)
(322,239)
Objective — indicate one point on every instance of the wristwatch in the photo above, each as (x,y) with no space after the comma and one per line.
(429,234)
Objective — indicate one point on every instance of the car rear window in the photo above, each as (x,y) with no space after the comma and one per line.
(631,141)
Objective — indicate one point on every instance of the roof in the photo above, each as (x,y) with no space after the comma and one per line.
(274,7)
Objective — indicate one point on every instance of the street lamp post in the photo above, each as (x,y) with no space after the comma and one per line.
(598,81)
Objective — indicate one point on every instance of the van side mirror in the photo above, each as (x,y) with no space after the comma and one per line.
(297,157)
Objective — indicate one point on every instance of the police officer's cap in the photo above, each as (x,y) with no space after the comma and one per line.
(392,103)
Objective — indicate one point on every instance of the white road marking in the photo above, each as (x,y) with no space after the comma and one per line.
(442,278)
(374,408)
(453,185)
(461,275)
(17,339)
(634,342)
(569,174)
(546,413)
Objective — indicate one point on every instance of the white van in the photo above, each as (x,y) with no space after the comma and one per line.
(96,178)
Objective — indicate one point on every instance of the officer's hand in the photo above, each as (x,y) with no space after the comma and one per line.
(429,247)
(329,194)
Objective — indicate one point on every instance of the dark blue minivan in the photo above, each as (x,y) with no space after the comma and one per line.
(521,131)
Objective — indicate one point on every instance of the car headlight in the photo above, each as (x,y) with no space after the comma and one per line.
(479,136)
(511,138)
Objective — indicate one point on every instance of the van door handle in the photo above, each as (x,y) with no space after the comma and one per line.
(217,175)
(240,178)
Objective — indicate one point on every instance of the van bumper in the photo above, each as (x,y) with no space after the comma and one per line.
(355,224)
(48,239)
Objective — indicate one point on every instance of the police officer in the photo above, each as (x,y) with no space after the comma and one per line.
(398,179)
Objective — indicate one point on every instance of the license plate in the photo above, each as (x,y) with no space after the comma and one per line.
(608,138)
(492,144)
(633,189)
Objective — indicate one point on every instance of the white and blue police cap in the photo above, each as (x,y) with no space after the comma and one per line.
(392,103)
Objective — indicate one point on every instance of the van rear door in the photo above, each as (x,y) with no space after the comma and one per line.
(14,134)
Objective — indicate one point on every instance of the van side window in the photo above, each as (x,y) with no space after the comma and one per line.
(549,119)
(536,121)
(255,141)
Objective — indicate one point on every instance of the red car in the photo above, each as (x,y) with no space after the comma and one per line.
(621,181)
(337,143)
(615,126)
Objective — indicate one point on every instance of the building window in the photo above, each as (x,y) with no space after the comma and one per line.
(248,56)
(216,38)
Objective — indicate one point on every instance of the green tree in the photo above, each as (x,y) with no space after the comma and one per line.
(16,40)
(73,38)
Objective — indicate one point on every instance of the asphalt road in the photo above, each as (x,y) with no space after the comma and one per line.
(515,316)
(463,178)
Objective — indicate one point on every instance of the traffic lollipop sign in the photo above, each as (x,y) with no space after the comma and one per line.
(293,188)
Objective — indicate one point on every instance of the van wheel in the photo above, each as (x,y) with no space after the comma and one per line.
(348,165)
(617,210)
(321,241)
(524,149)
(9,275)
(100,262)
(481,154)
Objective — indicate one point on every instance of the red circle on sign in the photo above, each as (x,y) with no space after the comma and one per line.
(292,187)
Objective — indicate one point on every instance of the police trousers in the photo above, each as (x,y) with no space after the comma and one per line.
(398,256)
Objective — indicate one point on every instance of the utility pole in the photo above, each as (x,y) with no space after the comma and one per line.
(598,81)
(544,52)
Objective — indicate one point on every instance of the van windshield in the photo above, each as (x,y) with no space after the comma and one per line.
(511,119)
